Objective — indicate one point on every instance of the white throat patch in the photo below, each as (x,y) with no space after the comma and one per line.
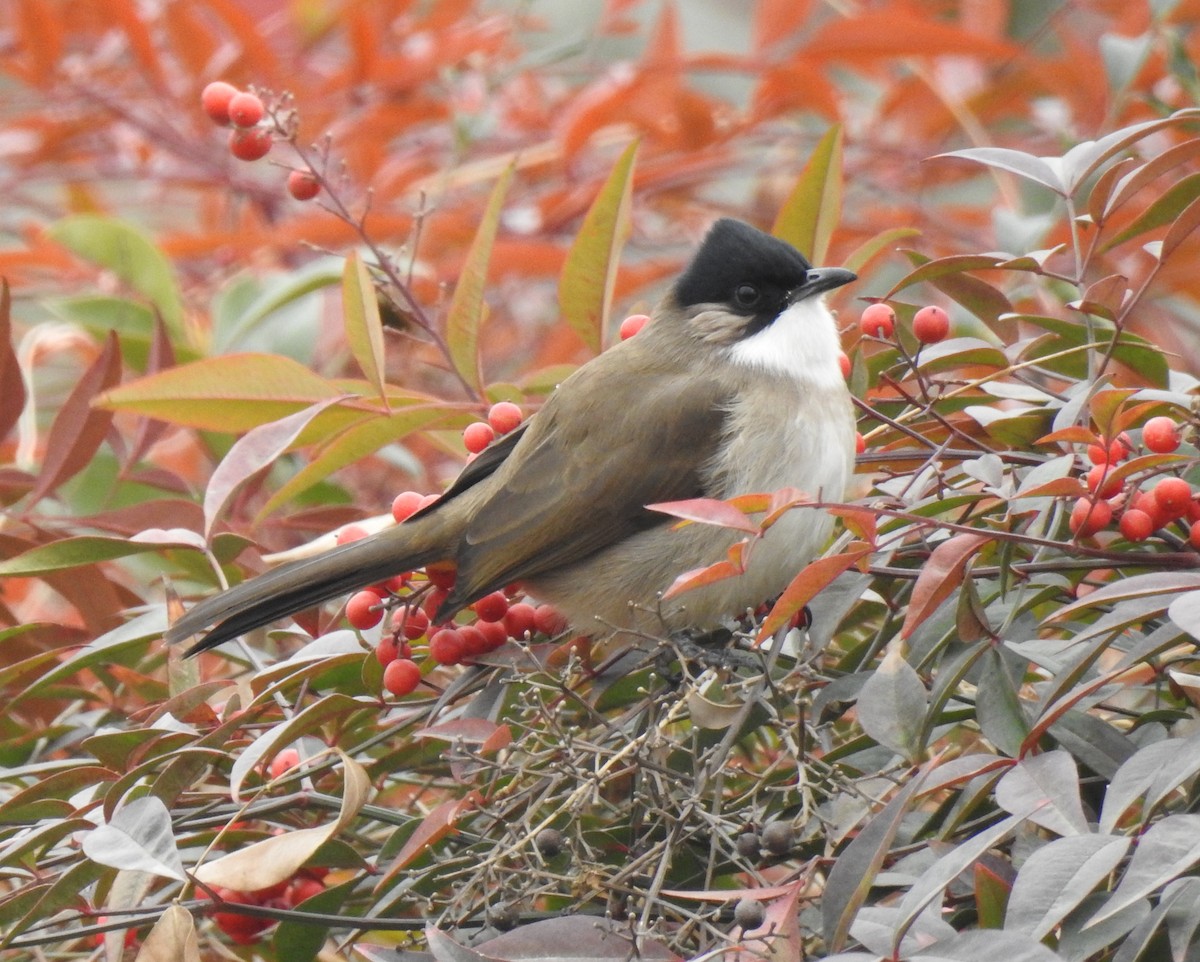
(802,343)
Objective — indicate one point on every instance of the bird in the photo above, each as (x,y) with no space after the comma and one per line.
(734,387)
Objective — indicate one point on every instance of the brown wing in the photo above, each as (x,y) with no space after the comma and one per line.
(615,437)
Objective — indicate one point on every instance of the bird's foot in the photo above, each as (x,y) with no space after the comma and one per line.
(711,649)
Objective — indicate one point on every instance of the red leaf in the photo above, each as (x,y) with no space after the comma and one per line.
(79,429)
(161,357)
(940,577)
(251,453)
(707,511)
(807,584)
(434,827)
(12,385)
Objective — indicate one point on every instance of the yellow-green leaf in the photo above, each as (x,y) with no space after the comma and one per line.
(356,442)
(467,306)
(813,208)
(230,393)
(130,254)
(585,287)
(364,331)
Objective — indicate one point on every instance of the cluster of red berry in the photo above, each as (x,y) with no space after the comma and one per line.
(930,324)
(249,139)
(1143,511)
(246,929)
(411,600)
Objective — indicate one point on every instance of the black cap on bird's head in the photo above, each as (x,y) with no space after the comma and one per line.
(751,274)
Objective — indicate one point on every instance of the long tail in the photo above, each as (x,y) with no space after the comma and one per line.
(302,584)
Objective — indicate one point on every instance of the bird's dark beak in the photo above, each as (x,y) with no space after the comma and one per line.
(821,279)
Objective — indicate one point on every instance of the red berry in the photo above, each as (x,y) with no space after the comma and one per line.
(1161,435)
(860,443)
(1116,451)
(446,647)
(286,760)
(475,642)
(387,651)
(1136,525)
(433,601)
(1194,535)
(878,320)
(520,620)
(504,416)
(631,325)
(251,144)
(1100,481)
(401,677)
(305,888)
(302,185)
(406,504)
(1146,502)
(214,99)
(352,532)
(844,364)
(931,324)
(1173,496)
(442,573)
(491,607)
(495,633)
(1089,517)
(364,610)
(478,436)
(411,622)
(393,585)
(242,929)
(549,620)
(245,109)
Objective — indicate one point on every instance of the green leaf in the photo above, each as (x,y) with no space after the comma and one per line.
(1051,778)
(891,706)
(1164,210)
(299,941)
(1132,350)
(72,553)
(1057,877)
(868,249)
(812,210)
(231,393)
(1167,850)
(139,837)
(467,307)
(260,302)
(589,276)
(131,255)
(355,442)
(364,330)
(1024,165)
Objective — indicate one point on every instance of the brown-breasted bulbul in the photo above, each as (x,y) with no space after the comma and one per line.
(734,387)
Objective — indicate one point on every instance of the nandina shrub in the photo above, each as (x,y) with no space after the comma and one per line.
(981,742)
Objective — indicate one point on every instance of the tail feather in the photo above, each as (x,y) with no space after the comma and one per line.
(300,584)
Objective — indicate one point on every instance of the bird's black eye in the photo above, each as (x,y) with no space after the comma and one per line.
(746,295)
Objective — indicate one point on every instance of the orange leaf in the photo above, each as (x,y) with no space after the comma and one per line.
(891,32)
(699,577)
(940,576)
